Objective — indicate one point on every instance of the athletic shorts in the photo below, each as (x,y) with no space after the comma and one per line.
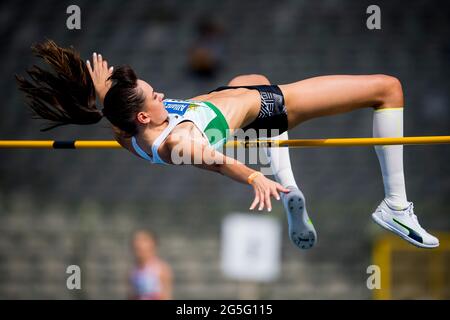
(272,114)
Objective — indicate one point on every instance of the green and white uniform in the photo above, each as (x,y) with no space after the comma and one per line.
(204,115)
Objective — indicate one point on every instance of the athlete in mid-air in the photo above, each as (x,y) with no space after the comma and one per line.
(156,129)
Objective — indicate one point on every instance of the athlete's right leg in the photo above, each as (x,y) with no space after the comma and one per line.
(279,157)
(301,229)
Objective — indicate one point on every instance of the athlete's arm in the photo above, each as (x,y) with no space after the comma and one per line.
(100,74)
(187,151)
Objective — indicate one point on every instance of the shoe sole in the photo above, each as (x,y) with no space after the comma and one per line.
(301,230)
(404,236)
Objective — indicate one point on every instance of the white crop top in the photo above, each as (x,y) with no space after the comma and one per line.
(203,114)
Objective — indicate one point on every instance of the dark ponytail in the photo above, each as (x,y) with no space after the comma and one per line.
(65,94)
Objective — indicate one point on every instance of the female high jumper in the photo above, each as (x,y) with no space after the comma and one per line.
(162,130)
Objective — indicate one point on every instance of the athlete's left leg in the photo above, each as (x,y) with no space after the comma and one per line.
(328,95)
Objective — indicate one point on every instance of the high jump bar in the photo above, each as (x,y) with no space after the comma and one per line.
(294,143)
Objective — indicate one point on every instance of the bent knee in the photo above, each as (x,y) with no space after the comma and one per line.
(249,79)
(389,90)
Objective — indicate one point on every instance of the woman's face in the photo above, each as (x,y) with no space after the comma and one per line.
(153,110)
(144,247)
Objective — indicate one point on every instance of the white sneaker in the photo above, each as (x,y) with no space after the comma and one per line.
(301,229)
(405,224)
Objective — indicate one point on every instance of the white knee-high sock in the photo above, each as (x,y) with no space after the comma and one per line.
(280,163)
(389,123)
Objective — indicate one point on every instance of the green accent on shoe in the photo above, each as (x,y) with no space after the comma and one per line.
(411,233)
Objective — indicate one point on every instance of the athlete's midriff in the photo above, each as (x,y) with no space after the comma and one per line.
(239,106)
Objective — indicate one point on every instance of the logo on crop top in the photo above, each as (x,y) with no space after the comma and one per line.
(176,107)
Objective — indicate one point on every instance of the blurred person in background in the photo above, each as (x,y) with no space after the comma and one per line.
(151,278)
(206,54)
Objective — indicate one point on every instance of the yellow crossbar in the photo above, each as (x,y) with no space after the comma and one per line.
(296,143)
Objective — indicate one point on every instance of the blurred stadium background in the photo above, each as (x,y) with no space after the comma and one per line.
(81,207)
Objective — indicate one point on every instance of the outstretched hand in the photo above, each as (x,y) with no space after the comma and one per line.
(265,189)
(100,73)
